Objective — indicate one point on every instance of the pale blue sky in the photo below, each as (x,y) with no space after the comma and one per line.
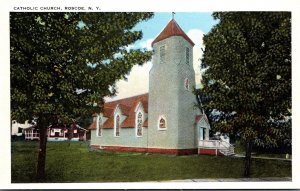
(187,21)
(194,24)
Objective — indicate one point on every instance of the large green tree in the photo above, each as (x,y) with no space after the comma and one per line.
(248,77)
(63,64)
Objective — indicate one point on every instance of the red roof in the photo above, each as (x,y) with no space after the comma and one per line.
(109,123)
(108,112)
(127,107)
(172,29)
(93,125)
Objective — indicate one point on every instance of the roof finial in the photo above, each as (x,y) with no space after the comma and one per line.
(173,14)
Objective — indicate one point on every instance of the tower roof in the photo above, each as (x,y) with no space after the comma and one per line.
(172,29)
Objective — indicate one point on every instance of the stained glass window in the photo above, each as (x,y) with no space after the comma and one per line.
(162,123)
(139,124)
(117,126)
(100,126)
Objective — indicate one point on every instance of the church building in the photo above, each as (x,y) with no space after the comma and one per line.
(165,119)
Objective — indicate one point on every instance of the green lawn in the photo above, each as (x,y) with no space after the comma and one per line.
(73,162)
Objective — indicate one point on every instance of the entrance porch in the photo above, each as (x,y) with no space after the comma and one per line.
(207,146)
(215,147)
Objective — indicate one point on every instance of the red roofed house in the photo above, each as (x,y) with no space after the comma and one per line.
(72,132)
(163,120)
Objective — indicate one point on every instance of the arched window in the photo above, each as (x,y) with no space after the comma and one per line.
(162,123)
(139,124)
(117,126)
(99,125)
(186,84)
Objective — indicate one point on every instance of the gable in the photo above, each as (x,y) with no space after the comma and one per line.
(139,107)
(127,108)
(202,121)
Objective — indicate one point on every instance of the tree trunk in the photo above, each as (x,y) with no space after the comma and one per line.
(40,173)
(247,159)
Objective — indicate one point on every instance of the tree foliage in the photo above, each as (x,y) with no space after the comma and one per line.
(63,64)
(248,76)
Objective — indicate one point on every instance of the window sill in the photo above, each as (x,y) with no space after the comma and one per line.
(162,129)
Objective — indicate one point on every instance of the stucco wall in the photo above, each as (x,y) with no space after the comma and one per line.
(127,138)
(186,101)
(168,97)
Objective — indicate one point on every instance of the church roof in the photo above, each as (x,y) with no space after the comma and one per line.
(172,29)
(130,103)
(93,125)
(127,107)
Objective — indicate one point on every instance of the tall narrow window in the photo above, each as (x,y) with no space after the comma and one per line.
(139,124)
(187,55)
(162,54)
(186,84)
(99,126)
(117,130)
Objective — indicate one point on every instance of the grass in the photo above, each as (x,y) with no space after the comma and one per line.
(73,162)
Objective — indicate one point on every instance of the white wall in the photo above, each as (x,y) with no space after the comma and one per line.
(15,126)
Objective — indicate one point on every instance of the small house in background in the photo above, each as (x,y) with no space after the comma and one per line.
(72,132)
(17,129)
(57,133)
(32,133)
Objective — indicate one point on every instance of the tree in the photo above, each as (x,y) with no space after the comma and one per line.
(63,64)
(248,77)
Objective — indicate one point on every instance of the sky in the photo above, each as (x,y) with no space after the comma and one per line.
(194,24)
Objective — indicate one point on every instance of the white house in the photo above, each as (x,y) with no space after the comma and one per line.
(163,120)
(32,133)
(17,129)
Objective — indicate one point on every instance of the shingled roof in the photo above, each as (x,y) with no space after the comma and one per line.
(127,106)
(172,29)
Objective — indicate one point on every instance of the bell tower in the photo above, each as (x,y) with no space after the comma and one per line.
(171,100)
